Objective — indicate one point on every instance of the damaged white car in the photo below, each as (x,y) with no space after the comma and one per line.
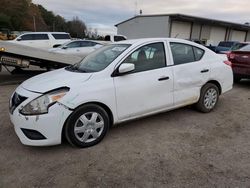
(116,83)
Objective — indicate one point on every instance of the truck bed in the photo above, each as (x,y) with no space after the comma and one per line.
(36,56)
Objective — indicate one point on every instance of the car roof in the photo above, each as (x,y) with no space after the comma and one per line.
(145,40)
(45,33)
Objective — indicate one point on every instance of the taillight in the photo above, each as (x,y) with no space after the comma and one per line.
(228,63)
(231,56)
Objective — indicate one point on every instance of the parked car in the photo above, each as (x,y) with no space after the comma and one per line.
(79,48)
(118,82)
(225,46)
(44,40)
(115,38)
(240,62)
(235,47)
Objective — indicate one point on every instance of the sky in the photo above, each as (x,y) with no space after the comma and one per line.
(103,15)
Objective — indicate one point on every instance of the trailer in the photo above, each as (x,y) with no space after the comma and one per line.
(20,56)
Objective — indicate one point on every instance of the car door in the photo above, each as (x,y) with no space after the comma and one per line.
(149,88)
(190,71)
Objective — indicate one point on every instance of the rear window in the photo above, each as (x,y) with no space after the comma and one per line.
(245,48)
(226,44)
(61,36)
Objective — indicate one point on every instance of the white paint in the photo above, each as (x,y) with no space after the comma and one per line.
(128,97)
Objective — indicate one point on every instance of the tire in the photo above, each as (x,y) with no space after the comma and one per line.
(87,126)
(236,79)
(208,98)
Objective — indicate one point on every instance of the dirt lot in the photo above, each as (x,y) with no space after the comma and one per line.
(182,148)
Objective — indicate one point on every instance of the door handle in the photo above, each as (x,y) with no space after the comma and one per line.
(204,70)
(163,78)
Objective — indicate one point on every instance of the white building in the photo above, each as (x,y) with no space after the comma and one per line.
(209,31)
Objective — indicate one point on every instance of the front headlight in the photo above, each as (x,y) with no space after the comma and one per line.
(41,104)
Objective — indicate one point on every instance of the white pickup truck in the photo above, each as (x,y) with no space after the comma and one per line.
(42,40)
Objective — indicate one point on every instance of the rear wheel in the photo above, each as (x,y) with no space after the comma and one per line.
(208,98)
(87,126)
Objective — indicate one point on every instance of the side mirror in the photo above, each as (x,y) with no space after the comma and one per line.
(65,47)
(19,39)
(126,67)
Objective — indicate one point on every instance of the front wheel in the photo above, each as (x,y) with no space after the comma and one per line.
(208,98)
(87,126)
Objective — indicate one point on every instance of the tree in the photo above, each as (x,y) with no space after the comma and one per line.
(77,28)
(5,21)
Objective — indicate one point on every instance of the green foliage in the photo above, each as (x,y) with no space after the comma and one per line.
(5,21)
(18,15)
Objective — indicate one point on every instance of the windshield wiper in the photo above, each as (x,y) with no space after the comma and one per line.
(74,68)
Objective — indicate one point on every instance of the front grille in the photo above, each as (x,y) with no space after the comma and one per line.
(16,100)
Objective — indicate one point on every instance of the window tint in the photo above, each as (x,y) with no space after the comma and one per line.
(27,37)
(148,57)
(40,37)
(61,36)
(198,53)
(226,44)
(182,53)
(119,38)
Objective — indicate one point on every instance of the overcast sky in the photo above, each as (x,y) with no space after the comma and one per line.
(104,14)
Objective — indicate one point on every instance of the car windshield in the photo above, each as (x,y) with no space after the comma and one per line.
(100,59)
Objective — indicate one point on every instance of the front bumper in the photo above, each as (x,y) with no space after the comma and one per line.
(49,125)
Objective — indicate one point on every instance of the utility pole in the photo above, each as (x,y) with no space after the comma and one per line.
(34,22)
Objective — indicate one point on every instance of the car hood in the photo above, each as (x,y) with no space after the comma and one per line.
(54,79)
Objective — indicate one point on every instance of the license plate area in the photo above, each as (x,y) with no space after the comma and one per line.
(11,61)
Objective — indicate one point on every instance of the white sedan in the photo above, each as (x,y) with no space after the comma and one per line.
(79,48)
(119,82)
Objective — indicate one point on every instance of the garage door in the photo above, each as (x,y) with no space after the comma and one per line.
(217,34)
(180,30)
(238,36)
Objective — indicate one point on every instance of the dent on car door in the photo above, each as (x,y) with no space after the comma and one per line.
(149,87)
(191,72)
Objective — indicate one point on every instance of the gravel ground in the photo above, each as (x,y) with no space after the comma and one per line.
(181,148)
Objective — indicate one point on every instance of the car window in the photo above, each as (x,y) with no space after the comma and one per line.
(198,53)
(87,43)
(75,44)
(61,36)
(226,44)
(184,53)
(148,57)
(245,48)
(119,38)
(27,37)
(40,37)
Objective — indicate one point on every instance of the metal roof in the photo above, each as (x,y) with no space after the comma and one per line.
(184,17)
